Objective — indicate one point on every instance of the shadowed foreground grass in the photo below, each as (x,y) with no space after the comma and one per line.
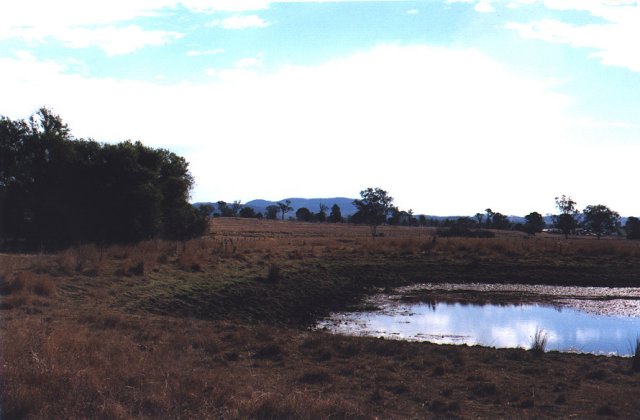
(126,366)
(216,328)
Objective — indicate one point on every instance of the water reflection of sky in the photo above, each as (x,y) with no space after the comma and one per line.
(567,329)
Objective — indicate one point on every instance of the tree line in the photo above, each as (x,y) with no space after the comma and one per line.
(56,190)
(274,212)
(375,207)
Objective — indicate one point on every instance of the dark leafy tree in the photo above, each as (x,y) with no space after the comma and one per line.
(228,210)
(534,223)
(566,221)
(247,213)
(56,190)
(336,214)
(271,212)
(600,220)
(632,227)
(500,221)
(373,207)
(285,207)
(303,214)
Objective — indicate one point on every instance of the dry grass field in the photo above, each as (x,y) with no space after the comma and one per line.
(217,327)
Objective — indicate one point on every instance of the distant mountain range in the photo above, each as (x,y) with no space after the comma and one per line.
(313,204)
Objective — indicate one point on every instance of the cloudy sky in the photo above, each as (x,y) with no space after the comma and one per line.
(452,106)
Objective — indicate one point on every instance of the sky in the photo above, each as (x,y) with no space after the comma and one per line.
(451,106)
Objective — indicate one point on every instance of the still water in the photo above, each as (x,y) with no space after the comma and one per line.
(567,329)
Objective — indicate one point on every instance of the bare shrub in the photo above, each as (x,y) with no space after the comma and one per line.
(539,342)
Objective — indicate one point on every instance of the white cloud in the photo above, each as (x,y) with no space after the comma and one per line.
(413,12)
(198,53)
(250,62)
(481,6)
(210,6)
(614,40)
(115,40)
(444,131)
(484,6)
(80,24)
(240,22)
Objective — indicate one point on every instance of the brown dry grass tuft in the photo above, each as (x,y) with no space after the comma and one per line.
(24,284)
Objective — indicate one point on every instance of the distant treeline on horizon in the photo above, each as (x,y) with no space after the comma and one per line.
(57,191)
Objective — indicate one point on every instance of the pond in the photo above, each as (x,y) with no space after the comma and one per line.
(572,322)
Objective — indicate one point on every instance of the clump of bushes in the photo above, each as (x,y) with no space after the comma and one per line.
(58,190)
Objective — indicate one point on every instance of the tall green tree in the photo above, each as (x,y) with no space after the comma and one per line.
(272,211)
(566,221)
(285,207)
(373,207)
(336,214)
(600,219)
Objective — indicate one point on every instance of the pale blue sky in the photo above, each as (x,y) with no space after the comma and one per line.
(453,106)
